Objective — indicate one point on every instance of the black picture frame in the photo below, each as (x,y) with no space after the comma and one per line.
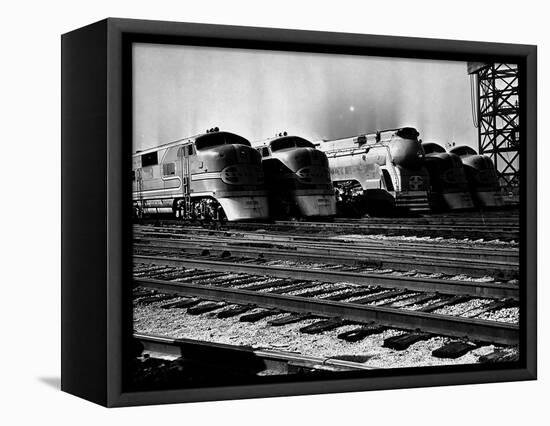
(96,231)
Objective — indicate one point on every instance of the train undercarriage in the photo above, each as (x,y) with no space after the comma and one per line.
(225,207)
(204,209)
(354,201)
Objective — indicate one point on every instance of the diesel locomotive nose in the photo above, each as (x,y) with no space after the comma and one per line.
(298,178)
(230,154)
(449,189)
(481,176)
(406,152)
(306,157)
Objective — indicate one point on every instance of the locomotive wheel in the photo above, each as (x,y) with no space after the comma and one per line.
(294,213)
(211,211)
(204,211)
(137,212)
(178,209)
(222,218)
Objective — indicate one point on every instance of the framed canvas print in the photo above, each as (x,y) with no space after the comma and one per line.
(251,212)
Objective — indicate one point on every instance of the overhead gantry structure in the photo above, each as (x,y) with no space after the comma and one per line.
(495,111)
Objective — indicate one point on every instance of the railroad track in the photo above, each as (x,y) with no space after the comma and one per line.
(220,354)
(465,231)
(423,257)
(297,293)
(490,225)
(466,225)
(371,242)
(472,231)
(511,220)
(442,286)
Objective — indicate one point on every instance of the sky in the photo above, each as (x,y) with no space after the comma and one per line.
(180,91)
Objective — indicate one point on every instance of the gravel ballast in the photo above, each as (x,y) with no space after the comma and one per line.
(177,323)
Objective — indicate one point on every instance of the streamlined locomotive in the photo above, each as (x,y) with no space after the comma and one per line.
(297,178)
(448,184)
(482,177)
(212,176)
(379,172)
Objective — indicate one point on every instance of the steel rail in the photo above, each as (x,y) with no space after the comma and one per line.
(320,249)
(504,221)
(473,329)
(510,254)
(446,231)
(417,228)
(273,359)
(335,246)
(454,287)
(421,263)
(399,226)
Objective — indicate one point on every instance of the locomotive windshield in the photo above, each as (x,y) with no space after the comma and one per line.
(407,133)
(219,138)
(463,150)
(290,142)
(430,148)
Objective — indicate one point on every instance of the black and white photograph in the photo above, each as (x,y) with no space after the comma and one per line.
(275,213)
(302,215)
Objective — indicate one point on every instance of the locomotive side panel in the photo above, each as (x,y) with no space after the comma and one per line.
(150,194)
(360,166)
(377,175)
(215,181)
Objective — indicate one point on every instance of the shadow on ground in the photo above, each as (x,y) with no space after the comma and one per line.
(54,382)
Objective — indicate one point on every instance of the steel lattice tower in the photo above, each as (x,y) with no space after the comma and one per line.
(496,115)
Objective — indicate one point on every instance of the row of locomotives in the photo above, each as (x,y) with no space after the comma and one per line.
(297,178)
(481,176)
(380,173)
(214,176)
(448,185)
